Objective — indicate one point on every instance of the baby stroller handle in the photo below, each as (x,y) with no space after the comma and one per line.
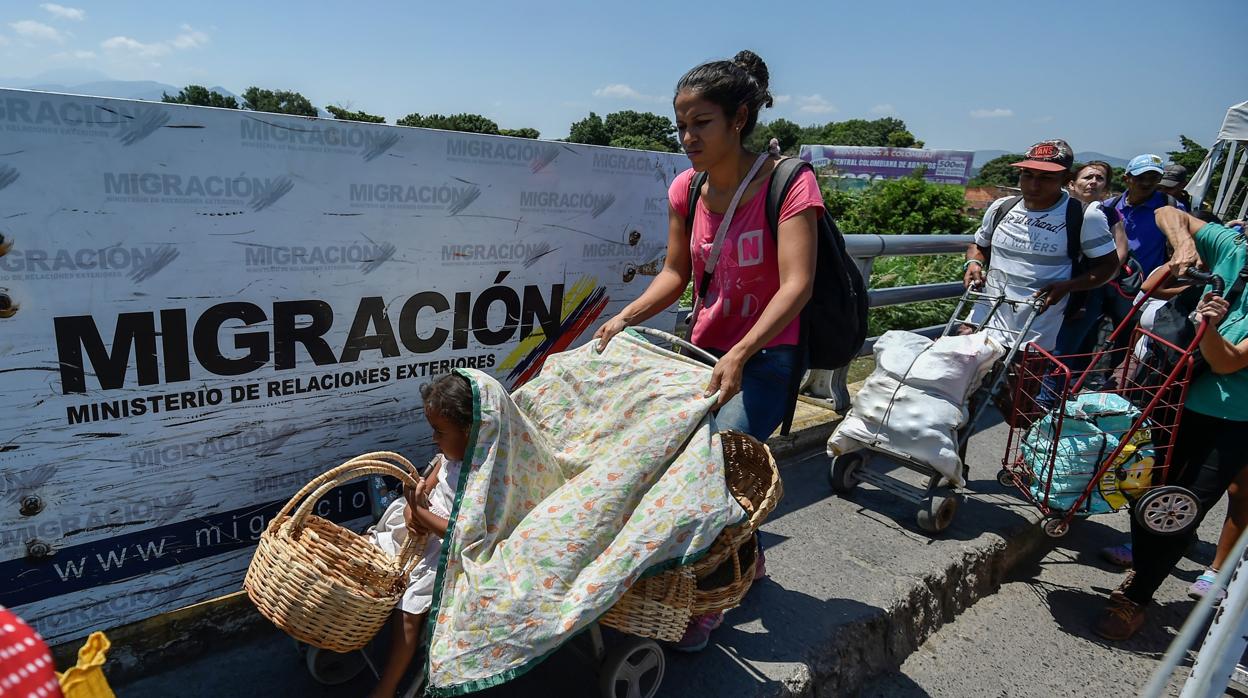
(667,337)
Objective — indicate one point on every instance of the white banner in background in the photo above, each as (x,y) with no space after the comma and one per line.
(215,306)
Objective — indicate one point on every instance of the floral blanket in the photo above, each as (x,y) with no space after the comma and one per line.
(601,469)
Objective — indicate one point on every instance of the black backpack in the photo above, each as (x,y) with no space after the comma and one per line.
(834,321)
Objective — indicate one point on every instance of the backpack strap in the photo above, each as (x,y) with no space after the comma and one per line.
(1074,231)
(785,172)
(695,192)
(999,214)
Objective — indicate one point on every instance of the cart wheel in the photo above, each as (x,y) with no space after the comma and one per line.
(331,668)
(1168,510)
(1004,478)
(936,512)
(1056,528)
(633,670)
(844,467)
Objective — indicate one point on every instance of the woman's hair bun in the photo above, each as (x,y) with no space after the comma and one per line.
(750,62)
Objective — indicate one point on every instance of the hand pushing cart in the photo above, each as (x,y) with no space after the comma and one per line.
(1093,441)
(938,501)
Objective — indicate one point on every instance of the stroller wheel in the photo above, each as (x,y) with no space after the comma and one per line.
(633,670)
(331,668)
(1056,528)
(936,512)
(1168,510)
(843,473)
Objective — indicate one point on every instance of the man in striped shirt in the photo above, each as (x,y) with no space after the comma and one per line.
(1026,254)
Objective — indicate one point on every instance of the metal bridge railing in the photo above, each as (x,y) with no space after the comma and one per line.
(831,385)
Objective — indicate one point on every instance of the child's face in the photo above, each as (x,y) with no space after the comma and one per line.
(450,438)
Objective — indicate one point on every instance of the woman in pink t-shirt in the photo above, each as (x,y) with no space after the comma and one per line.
(749,317)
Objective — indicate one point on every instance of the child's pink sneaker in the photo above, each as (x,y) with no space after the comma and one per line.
(698,634)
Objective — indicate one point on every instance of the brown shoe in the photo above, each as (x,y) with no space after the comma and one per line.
(1121,619)
(1121,590)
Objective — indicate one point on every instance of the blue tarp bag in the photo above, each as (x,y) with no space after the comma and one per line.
(1091,427)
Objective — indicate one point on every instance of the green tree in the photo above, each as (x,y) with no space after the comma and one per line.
(652,131)
(200,96)
(997,172)
(659,129)
(908,205)
(278,102)
(591,130)
(638,143)
(521,132)
(783,130)
(1190,154)
(346,115)
(468,123)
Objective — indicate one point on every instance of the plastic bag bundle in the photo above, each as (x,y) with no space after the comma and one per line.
(915,400)
(1091,429)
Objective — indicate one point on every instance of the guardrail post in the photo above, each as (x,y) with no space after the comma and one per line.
(833,385)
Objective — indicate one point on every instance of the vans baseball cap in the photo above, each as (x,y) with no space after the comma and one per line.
(1048,156)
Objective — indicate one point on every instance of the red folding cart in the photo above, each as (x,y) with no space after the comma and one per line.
(1072,460)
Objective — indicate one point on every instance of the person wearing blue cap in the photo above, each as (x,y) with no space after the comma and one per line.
(1138,207)
(1146,244)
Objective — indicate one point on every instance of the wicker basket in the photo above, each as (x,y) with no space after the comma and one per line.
(754,481)
(656,607)
(725,586)
(324,584)
(660,607)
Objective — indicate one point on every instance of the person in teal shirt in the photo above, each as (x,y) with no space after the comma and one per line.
(1210,449)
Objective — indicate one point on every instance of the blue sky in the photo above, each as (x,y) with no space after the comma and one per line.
(1115,77)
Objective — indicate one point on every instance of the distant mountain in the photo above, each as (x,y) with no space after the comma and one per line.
(1093,155)
(121,89)
(982,156)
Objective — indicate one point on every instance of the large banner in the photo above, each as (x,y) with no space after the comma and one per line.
(214,306)
(863,162)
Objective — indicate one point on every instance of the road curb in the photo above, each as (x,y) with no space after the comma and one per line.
(880,642)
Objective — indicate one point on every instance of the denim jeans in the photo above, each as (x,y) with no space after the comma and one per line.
(764,399)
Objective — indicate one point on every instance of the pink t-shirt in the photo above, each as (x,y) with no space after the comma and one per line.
(748,274)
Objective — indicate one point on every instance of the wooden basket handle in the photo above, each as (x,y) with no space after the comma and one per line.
(336,477)
(389,456)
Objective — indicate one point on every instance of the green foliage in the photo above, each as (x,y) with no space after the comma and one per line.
(521,132)
(200,96)
(278,102)
(468,123)
(1190,155)
(626,129)
(907,205)
(881,133)
(889,272)
(345,115)
(590,130)
(997,172)
(638,143)
(837,201)
(788,133)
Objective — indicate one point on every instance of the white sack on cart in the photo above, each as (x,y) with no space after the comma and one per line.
(915,400)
